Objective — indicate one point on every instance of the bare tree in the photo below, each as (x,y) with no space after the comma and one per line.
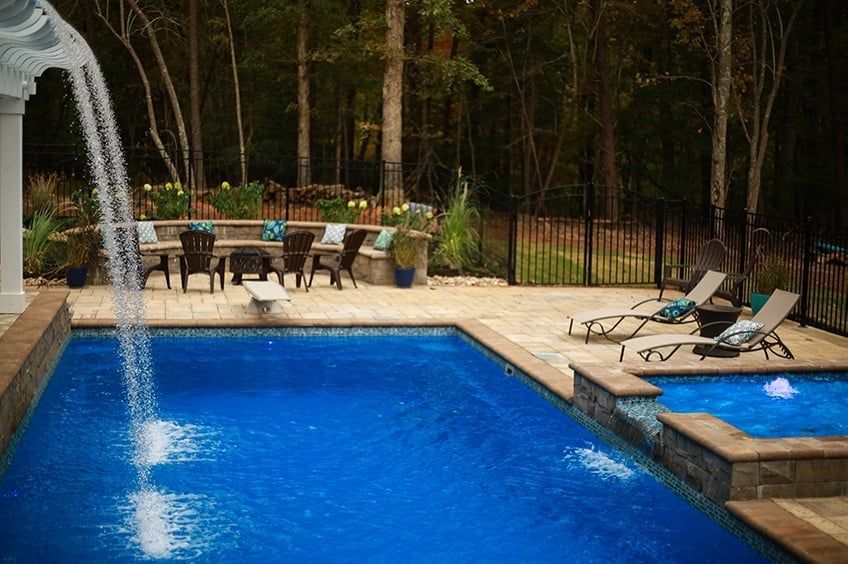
(304,168)
(767,64)
(239,122)
(606,99)
(392,141)
(720,85)
(194,94)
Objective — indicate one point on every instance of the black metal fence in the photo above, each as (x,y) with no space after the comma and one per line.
(576,234)
(595,235)
(292,184)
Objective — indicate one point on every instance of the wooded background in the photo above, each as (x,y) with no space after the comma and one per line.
(522,94)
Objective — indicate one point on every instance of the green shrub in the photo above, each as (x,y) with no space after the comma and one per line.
(337,211)
(170,200)
(41,251)
(241,202)
(457,238)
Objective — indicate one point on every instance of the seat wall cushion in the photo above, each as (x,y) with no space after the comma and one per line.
(205,226)
(676,309)
(740,332)
(146,232)
(334,233)
(273,230)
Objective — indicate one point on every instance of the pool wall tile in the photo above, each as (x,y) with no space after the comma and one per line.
(34,342)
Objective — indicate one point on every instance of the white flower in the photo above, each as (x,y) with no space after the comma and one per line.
(178,186)
(148,187)
(168,186)
(405,207)
(142,216)
(351,204)
(363,204)
(179,192)
(225,186)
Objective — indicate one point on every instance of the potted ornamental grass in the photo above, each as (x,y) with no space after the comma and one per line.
(83,240)
(410,225)
(771,276)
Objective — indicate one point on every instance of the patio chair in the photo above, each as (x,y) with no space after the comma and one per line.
(342,260)
(129,236)
(732,290)
(710,257)
(774,312)
(197,258)
(594,319)
(296,247)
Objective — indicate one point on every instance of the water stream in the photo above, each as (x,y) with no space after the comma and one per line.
(106,164)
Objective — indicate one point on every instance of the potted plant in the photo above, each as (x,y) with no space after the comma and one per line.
(83,240)
(410,225)
(772,275)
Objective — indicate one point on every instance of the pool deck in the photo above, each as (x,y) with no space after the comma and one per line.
(528,325)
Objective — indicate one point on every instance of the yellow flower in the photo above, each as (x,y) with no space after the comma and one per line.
(396,210)
(94,191)
(351,204)
(178,186)
(179,192)
(148,187)
(168,186)
(363,204)
(429,215)
(405,207)
(142,216)
(225,185)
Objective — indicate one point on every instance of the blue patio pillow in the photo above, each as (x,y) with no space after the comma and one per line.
(273,229)
(334,233)
(383,242)
(205,226)
(740,332)
(676,309)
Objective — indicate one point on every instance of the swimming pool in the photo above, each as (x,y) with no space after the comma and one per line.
(326,448)
(773,405)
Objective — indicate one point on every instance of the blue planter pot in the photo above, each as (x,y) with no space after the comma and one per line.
(76,276)
(757,302)
(404,277)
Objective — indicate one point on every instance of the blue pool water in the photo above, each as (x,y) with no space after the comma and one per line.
(776,405)
(377,448)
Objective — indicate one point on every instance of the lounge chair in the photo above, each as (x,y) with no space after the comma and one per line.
(197,258)
(776,309)
(343,260)
(296,247)
(710,257)
(594,319)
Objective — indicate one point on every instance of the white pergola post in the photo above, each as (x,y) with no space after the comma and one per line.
(12,297)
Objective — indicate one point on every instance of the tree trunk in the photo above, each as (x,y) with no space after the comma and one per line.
(609,171)
(392,131)
(239,123)
(721,97)
(304,169)
(199,179)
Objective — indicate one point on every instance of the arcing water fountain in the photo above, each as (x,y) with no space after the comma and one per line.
(33,38)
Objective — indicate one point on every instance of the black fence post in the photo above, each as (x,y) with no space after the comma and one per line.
(288,199)
(806,236)
(190,179)
(588,243)
(659,242)
(512,243)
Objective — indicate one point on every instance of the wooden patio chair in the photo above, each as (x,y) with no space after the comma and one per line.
(197,258)
(296,248)
(343,260)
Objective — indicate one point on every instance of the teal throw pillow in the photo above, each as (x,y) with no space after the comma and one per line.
(740,332)
(676,309)
(334,233)
(205,226)
(383,242)
(273,229)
